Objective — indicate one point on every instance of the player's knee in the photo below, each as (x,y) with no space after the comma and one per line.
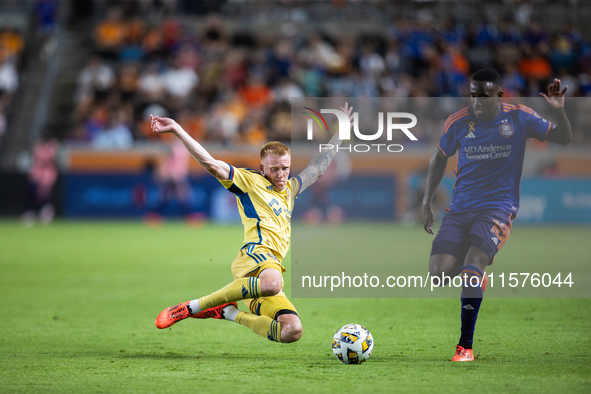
(441,264)
(291,331)
(436,270)
(271,282)
(477,258)
(270,288)
(292,335)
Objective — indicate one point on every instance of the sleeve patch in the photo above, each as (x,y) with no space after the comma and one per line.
(299,182)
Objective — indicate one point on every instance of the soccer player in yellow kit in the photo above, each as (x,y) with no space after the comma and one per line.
(265,201)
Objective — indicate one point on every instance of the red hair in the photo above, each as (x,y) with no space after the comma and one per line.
(274,148)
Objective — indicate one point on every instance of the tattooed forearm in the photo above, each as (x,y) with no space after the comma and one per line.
(319,163)
(322,160)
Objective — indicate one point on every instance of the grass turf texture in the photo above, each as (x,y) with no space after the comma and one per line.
(79,301)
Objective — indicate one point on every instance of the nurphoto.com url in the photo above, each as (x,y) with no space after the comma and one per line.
(522,279)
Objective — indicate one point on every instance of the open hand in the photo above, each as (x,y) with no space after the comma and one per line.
(349,111)
(555,97)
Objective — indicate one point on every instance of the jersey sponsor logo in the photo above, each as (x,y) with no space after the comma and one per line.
(485,152)
(280,210)
(470,135)
(506,129)
(276,211)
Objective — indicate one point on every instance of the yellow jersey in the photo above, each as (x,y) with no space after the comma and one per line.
(265,212)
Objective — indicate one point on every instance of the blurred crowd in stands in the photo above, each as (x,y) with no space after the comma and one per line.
(235,87)
(12,52)
(12,46)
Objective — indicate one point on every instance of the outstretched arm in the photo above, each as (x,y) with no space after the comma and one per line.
(322,160)
(436,171)
(562,134)
(217,168)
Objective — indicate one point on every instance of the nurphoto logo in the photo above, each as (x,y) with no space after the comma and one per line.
(345,130)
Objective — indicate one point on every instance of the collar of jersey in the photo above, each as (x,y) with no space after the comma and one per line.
(270,184)
(500,113)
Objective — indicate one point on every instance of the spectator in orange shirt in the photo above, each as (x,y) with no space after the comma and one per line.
(535,66)
(256,93)
(110,34)
(12,41)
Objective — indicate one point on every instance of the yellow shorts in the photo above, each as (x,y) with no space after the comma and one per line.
(250,262)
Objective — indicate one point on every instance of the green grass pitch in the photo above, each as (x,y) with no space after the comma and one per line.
(78,302)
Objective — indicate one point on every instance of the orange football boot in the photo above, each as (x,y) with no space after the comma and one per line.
(463,354)
(213,313)
(484,281)
(171,315)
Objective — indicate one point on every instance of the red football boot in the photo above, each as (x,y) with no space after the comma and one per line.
(463,354)
(171,315)
(214,313)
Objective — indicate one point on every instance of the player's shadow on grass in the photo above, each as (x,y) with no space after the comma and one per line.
(177,356)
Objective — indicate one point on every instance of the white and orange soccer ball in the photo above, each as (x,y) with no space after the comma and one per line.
(352,344)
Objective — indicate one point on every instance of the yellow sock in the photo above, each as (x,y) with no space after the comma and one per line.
(240,289)
(261,325)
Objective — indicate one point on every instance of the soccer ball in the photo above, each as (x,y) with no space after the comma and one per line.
(352,344)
